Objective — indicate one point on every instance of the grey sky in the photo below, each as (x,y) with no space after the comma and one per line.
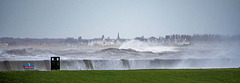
(131,18)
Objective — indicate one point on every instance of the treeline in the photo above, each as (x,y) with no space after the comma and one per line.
(175,38)
(191,38)
(33,41)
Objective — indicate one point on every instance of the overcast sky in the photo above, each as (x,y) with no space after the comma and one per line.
(131,18)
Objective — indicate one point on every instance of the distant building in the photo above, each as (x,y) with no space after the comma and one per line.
(119,41)
(3,44)
(80,38)
(118,37)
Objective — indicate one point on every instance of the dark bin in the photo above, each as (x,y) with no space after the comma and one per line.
(55,63)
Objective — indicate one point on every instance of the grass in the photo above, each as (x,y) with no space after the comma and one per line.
(124,76)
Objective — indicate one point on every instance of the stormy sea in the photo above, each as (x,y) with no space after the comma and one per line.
(130,55)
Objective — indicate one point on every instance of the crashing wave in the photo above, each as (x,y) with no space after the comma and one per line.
(117,50)
(17,52)
(146,47)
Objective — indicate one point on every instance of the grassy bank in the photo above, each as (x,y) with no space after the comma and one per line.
(125,76)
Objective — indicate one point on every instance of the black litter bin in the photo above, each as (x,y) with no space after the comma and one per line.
(55,63)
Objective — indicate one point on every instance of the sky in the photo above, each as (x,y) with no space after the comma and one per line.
(131,18)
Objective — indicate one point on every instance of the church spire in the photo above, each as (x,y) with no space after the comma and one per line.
(118,36)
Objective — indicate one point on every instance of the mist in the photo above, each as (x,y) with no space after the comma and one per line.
(135,54)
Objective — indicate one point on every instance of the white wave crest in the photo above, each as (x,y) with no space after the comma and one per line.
(145,47)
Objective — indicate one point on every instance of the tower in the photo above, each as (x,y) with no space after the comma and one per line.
(118,36)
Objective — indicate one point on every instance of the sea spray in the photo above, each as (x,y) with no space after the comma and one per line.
(146,47)
(133,55)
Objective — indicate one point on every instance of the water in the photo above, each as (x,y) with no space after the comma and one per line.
(133,55)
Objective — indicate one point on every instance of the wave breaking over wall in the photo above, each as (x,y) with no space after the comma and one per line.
(132,54)
(123,64)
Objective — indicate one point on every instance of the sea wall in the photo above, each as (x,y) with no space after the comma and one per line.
(122,64)
(18,65)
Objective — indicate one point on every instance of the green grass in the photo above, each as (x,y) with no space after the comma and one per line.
(124,76)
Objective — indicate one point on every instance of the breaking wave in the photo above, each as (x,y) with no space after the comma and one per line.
(133,54)
(146,47)
(17,52)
